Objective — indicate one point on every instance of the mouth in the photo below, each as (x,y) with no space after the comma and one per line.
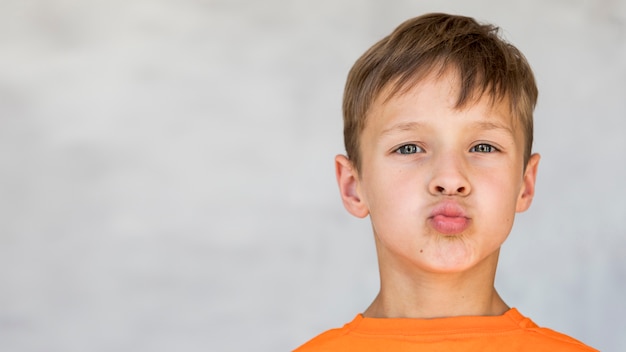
(449,218)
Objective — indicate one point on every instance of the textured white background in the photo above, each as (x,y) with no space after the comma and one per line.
(166,173)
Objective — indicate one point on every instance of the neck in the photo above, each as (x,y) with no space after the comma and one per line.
(405,294)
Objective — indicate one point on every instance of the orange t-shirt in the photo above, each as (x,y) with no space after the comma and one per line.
(508,332)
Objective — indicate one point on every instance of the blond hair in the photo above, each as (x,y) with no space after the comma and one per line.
(485,63)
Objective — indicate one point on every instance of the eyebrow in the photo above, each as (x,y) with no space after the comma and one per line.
(487,125)
(410,126)
(401,127)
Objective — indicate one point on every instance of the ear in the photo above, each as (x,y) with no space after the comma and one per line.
(528,184)
(348,181)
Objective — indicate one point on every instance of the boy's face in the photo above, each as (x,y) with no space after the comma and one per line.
(441,185)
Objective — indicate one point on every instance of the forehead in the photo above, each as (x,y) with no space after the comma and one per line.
(435,93)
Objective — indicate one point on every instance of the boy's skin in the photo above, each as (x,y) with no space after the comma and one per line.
(438,136)
(441,186)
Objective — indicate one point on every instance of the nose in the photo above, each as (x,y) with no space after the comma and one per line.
(449,177)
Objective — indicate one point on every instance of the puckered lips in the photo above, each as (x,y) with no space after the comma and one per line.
(449,218)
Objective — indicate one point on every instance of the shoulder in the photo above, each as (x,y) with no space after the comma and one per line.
(330,340)
(321,342)
(545,339)
(551,340)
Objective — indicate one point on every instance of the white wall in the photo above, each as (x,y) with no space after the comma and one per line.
(166,173)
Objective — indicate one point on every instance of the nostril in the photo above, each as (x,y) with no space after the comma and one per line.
(462,190)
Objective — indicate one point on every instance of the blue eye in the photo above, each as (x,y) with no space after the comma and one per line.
(483,148)
(408,149)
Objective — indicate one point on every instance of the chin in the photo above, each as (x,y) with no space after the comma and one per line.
(455,262)
(450,261)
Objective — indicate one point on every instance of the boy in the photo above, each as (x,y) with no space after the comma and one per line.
(438,132)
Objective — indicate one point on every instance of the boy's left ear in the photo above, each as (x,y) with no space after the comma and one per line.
(527,192)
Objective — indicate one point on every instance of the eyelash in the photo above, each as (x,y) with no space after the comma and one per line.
(407,149)
(413,149)
(490,148)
